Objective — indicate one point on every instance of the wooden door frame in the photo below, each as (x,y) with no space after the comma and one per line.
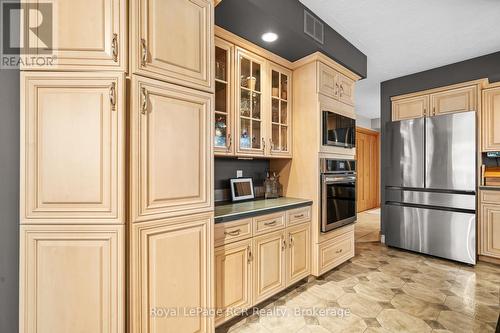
(376,134)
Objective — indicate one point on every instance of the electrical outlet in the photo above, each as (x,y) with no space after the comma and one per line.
(239,173)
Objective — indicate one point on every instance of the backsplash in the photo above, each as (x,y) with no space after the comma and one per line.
(225,169)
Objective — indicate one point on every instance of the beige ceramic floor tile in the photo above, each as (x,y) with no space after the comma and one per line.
(424,293)
(458,322)
(416,307)
(360,305)
(374,292)
(350,323)
(397,321)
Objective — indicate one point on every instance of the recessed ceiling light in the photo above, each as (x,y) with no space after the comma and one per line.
(269,37)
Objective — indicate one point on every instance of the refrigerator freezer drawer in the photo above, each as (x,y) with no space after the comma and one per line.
(445,234)
(449,200)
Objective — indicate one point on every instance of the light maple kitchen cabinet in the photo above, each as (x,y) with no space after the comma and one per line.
(335,251)
(269,265)
(87,35)
(223,122)
(335,85)
(173,40)
(280,136)
(491,119)
(72,148)
(249,111)
(72,279)
(171,268)
(171,168)
(489,224)
(233,278)
(454,100)
(299,253)
(410,108)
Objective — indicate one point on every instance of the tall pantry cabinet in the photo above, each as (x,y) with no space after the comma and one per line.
(95,162)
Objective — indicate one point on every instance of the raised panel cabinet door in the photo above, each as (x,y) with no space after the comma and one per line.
(280,119)
(299,253)
(171,275)
(491,119)
(173,41)
(233,279)
(72,279)
(72,148)
(250,103)
(410,108)
(224,106)
(87,35)
(269,265)
(171,150)
(454,100)
(327,81)
(490,230)
(345,88)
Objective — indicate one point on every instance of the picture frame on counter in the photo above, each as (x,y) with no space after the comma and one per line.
(242,189)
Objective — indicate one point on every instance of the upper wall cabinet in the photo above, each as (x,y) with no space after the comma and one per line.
(171,163)
(281,105)
(223,134)
(88,35)
(172,40)
(454,100)
(72,147)
(335,85)
(491,119)
(250,121)
(410,108)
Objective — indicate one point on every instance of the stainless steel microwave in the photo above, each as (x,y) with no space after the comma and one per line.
(338,130)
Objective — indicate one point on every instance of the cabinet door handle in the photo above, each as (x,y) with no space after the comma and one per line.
(263,144)
(144,58)
(144,104)
(425,112)
(230,139)
(249,250)
(283,246)
(114,46)
(233,233)
(271,145)
(270,223)
(434,111)
(341,90)
(112,96)
(336,92)
(291,239)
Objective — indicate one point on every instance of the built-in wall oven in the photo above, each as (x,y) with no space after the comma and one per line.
(338,130)
(338,193)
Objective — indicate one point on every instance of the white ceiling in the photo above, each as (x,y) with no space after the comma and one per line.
(401,37)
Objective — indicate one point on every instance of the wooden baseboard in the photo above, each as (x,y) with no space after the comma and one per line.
(489,260)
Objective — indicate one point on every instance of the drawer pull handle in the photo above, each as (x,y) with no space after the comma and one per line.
(298,216)
(338,251)
(270,223)
(233,233)
(249,259)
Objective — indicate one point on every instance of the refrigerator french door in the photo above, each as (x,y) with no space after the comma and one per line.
(430,192)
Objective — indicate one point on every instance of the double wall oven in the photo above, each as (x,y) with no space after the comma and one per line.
(338,193)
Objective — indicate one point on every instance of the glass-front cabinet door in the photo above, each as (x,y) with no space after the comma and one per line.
(223,131)
(280,131)
(249,104)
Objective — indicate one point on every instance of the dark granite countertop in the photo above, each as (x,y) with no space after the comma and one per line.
(490,188)
(239,210)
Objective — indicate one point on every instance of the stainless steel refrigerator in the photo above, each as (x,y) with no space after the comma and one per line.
(431,186)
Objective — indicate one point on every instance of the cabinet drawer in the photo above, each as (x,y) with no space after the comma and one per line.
(492,197)
(334,252)
(298,215)
(231,232)
(267,223)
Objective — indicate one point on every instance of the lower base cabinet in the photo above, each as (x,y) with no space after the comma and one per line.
(489,224)
(250,271)
(72,279)
(335,251)
(269,268)
(170,279)
(233,277)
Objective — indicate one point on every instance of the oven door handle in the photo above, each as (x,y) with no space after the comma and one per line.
(338,180)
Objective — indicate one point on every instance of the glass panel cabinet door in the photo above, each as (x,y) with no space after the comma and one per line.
(279,140)
(249,104)
(223,138)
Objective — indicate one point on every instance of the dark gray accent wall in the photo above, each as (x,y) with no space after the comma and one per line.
(225,169)
(9,200)
(249,19)
(487,66)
